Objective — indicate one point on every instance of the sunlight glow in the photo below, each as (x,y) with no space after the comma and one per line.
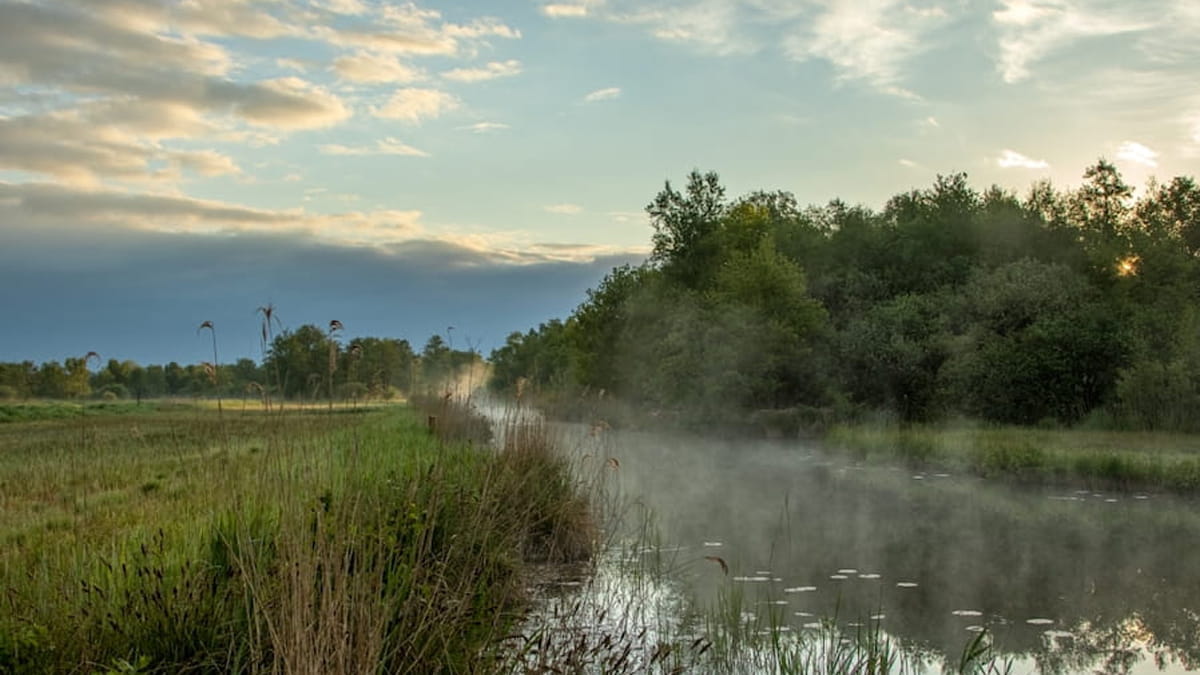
(1128,266)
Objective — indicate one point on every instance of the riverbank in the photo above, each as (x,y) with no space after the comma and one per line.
(1095,459)
(184,539)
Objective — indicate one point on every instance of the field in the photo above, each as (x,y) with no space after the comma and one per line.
(1101,459)
(173,538)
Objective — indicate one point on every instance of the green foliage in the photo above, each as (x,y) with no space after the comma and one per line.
(354,543)
(950,301)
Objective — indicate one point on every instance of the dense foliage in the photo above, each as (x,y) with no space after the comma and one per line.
(1053,308)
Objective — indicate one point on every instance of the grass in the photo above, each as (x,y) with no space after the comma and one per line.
(1098,459)
(304,543)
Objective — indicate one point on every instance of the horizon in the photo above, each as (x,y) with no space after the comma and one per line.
(402,168)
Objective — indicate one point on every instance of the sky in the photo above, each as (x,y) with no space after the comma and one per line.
(406,168)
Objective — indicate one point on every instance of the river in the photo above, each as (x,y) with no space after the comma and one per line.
(1063,580)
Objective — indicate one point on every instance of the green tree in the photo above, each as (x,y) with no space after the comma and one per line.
(1038,342)
(892,355)
(301,359)
(684,224)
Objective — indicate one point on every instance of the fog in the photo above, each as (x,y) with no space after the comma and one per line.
(1067,581)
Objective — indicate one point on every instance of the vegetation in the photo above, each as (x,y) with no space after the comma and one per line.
(1098,459)
(181,540)
(1052,309)
(305,364)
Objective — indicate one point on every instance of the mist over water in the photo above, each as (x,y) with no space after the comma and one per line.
(1066,581)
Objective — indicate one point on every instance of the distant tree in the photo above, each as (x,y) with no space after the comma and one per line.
(301,359)
(51,381)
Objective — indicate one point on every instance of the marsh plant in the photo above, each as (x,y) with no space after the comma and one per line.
(313,543)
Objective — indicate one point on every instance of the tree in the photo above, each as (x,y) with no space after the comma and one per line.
(301,359)
(1037,342)
(892,355)
(684,224)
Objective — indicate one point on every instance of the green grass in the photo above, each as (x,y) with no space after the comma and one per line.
(178,540)
(1108,459)
(54,410)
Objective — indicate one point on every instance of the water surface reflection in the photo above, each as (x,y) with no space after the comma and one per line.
(1066,581)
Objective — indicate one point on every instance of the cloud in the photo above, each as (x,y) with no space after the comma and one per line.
(408,29)
(1010,159)
(563,209)
(624,217)
(387,146)
(413,105)
(288,103)
(868,41)
(485,127)
(1031,30)
(205,162)
(86,55)
(292,64)
(56,205)
(491,71)
(907,163)
(1137,153)
(368,67)
(557,10)
(602,95)
(84,289)
(353,7)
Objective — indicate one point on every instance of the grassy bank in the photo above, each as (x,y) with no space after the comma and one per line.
(1101,459)
(180,540)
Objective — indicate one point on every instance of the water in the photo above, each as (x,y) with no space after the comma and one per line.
(1064,581)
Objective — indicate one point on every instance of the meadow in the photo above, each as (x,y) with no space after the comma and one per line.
(178,538)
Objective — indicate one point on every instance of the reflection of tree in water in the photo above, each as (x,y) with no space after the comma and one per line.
(1116,647)
(1118,576)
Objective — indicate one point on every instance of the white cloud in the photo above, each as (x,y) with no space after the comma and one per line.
(368,67)
(868,41)
(292,64)
(408,29)
(563,209)
(932,122)
(907,163)
(602,95)
(557,10)
(1030,30)
(353,7)
(624,217)
(1010,159)
(205,162)
(490,71)
(386,146)
(1137,153)
(485,127)
(413,105)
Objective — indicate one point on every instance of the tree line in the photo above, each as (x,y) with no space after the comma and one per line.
(308,363)
(1058,307)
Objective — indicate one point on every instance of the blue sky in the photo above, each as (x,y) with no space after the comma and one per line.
(404,167)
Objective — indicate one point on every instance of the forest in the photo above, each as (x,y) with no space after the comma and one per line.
(1059,308)
(308,363)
